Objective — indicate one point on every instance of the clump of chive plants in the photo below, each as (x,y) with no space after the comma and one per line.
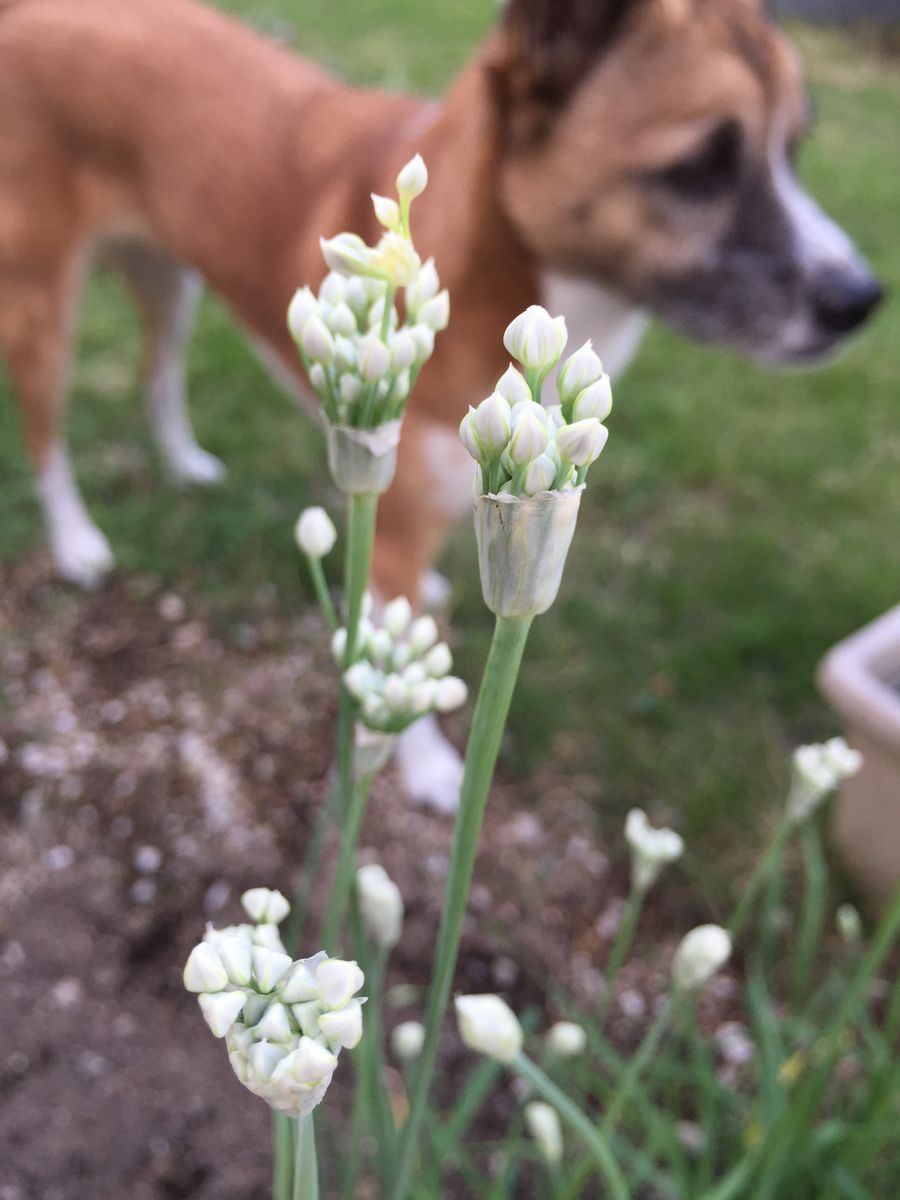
(288,1021)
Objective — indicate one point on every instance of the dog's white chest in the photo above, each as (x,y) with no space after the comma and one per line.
(614,326)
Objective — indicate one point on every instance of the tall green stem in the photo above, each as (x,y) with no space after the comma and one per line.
(306,1168)
(343,880)
(637,1064)
(595,1139)
(761,875)
(488,721)
(283,1149)
(317,574)
(361,511)
(621,946)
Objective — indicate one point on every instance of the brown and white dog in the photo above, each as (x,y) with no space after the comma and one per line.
(608,158)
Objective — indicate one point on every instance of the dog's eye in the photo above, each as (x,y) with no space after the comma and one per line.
(708,172)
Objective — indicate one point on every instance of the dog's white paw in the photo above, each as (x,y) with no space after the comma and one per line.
(83,556)
(430,768)
(193,465)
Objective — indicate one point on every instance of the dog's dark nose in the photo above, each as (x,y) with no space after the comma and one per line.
(844,299)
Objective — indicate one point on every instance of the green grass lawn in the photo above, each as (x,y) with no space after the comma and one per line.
(740,521)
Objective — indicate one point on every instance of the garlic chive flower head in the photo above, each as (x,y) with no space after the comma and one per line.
(380,905)
(488,1025)
(542,1122)
(315,532)
(524,448)
(565,1039)
(700,955)
(402,670)
(284,1022)
(817,770)
(360,359)
(651,849)
(407,1041)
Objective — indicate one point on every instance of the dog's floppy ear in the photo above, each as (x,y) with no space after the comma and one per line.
(545,48)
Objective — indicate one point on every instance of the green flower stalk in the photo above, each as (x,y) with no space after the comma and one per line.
(524,531)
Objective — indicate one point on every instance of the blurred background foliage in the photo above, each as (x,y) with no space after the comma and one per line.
(742,521)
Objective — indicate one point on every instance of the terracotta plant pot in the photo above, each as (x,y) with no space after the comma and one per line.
(861,679)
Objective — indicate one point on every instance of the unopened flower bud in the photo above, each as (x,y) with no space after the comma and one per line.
(204,970)
(315,532)
(265,906)
(374,358)
(700,955)
(450,693)
(818,770)
(412,180)
(237,959)
(333,289)
(492,423)
(302,306)
(487,1024)
(435,313)
(539,476)
(337,981)
(396,692)
(341,321)
(469,437)
(317,341)
(423,634)
(542,1122)
(424,289)
(347,253)
(535,339)
(422,697)
(529,437)
(578,372)
(581,443)
(403,350)
(387,212)
(380,905)
(339,644)
(849,924)
(594,401)
(438,660)
(275,1026)
(268,967)
(566,1040)
(317,378)
(512,387)
(343,1027)
(221,1010)
(407,1041)
(397,616)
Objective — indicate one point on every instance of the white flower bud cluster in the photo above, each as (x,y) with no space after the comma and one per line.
(361,362)
(700,955)
(651,849)
(402,671)
(284,1022)
(488,1025)
(380,905)
(818,770)
(523,447)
